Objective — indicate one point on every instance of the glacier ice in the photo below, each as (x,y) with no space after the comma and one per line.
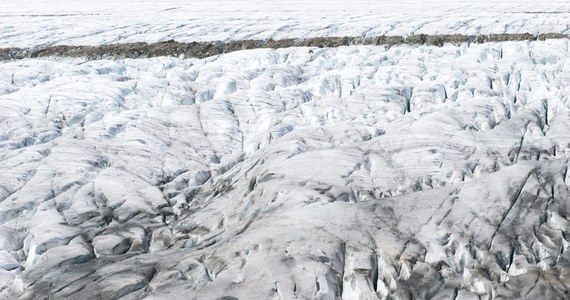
(357,172)
(33,23)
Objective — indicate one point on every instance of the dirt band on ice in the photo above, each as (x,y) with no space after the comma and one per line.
(206,49)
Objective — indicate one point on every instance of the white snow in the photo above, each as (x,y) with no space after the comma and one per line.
(84,22)
(358,172)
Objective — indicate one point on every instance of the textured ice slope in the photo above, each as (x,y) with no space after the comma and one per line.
(356,172)
(84,22)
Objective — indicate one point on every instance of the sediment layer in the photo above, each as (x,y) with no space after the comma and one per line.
(207,49)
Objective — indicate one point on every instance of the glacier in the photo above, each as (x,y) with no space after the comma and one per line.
(33,23)
(354,172)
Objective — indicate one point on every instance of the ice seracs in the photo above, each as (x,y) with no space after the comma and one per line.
(355,172)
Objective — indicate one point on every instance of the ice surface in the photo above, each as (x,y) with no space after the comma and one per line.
(83,22)
(357,172)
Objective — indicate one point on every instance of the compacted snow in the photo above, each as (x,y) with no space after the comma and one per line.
(86,22)
(358,172)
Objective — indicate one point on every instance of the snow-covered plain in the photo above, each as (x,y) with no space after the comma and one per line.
(358,172)
(79,22)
